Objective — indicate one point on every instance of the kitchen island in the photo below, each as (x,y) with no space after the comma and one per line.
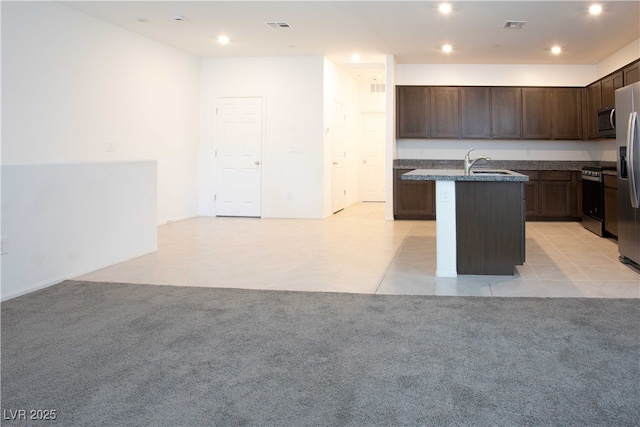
(480,226)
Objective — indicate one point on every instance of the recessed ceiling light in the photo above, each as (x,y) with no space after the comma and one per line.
(444,8)
(223,39)
(447,48)
(355,57)
(556,50)
(142,19)
(178,18)
(595,9)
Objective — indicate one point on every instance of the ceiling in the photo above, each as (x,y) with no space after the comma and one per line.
(413,31)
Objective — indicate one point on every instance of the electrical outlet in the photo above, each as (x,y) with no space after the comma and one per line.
(289,195)
(4,245)
(109,146)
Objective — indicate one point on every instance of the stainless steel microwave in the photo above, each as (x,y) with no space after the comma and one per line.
(607,122)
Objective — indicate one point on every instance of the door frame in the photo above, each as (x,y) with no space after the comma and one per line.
(216,148)
(342,105)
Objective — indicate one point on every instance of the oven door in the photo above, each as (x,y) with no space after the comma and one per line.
(592,197)
(593,204)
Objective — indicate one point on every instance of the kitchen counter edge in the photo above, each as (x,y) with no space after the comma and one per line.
(514,165)
(458,175)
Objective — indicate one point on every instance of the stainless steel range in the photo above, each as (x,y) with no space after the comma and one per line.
(593,199)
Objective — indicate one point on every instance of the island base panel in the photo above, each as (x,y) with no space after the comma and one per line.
(490,227)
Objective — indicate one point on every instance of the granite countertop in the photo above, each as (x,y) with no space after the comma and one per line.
(458,175)
(610,172)
(523,165)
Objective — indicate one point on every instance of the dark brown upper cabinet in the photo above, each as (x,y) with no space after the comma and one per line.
(445,119)
(593,102)
(413,111)
(506,113)
(536,113)
(566,113)
(475,112)
(631,73)
(609,85)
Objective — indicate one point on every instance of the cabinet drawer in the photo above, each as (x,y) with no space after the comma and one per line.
(533,175)
(556,175)
(611,181)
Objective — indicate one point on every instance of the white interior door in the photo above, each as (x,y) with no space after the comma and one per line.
(372,149)
(239,157)
(337,133)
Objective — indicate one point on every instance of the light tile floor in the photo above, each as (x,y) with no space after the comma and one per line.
(357,251)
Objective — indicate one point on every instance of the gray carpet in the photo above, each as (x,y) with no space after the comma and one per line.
(125,355)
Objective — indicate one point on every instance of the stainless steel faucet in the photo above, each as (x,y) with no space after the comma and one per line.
(469,162)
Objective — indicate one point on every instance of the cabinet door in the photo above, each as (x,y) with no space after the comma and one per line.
(594,101)
(609,85)
(555,194)
(566,113)
(506,113)
(412,112)
(531,195)
(536,113)
(445,122)
(611,210)
(475,112)
(556,199)
(532,199)
(578,190)
(576,194)
(413,199)
(631,73)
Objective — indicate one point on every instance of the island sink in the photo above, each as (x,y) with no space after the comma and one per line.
(492,172)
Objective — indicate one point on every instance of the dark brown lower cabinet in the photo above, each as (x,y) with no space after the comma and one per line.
(555,194)
(413,199)
(611,204)
(552,195)
(531,194)
(549,196)
(576,194)
(490,227)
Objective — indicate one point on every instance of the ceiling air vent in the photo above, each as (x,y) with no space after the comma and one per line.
(377,87)
(280,25)
(514,25)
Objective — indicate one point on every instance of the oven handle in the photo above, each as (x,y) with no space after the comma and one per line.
(591,178)
(631,137)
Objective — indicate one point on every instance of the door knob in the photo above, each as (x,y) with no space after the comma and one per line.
(257,162)
(335,163)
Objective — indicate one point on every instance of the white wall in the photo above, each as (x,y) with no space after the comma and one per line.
(619,59)
(372,102)
(64,220)
(496,75)
(391,144)
(73,84)
(293,149)
(341,87)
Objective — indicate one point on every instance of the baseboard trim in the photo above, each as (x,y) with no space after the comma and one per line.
(54,281)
